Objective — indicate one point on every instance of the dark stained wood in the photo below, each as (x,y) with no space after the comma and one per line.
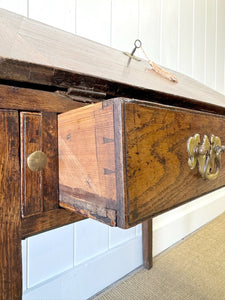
(35,100)
(47,221)
(121,190)
(27,47)
(153,155)
(50,179)
(39,190)
(10,223)
(158,175)
(147,243)
(87,162)
(25,73)
(31,182)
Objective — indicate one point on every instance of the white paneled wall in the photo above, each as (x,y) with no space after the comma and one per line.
(93,20)
(210,43)
(198,43)
(150,27)
(59,14)
(169,46)
(77,261)
(49,254)
(185,37)
(19,7)
(220,46)
(125,19)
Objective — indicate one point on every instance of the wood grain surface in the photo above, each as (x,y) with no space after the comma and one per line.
(10,224)
(39,193)
(48,220)
(26,55)
(50,179)
(147,243)
(87,177)
(158,175)
(153,159)
(31,182)
(39,190)
(12,97)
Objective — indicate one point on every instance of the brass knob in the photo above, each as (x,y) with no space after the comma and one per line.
(37,161)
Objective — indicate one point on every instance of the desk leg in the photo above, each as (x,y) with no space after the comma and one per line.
(10,263)
(10,221)
(147,243)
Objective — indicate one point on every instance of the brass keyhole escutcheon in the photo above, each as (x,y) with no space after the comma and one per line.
(37,161)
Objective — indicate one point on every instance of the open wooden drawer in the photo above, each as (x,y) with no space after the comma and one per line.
(122,161)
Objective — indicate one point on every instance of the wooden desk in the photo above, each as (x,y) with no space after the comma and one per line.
(44,73)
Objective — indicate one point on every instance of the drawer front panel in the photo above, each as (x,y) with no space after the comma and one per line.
(39,189)
(158,175)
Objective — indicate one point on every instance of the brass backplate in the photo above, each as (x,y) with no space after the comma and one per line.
(206,155)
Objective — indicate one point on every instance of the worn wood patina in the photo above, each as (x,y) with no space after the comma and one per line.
(127,157)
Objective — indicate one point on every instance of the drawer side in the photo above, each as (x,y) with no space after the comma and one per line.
(87,167)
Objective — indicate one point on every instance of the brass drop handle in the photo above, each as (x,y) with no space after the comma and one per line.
(206,155)
(37,161)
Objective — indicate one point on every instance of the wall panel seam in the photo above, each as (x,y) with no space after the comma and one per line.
(75,16)
(178,35)
(206,19)
(216,41)
(193,38)
(28,8)
(161,31)
(111,16)
(27,265)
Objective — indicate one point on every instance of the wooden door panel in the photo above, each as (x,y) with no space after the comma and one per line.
(39,189)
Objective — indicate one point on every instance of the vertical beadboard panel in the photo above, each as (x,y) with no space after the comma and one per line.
(91,239)
(220,46)
(169,39)
(19,6)
(139,229)
(185,37)
(118,236)
(125,27)
(149,27)
(57,13)
(210,43)
(199,40)
(49,254)
(24,263)
(93,20)
(91,277)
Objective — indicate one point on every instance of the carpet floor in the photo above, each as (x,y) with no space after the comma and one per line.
(193,269)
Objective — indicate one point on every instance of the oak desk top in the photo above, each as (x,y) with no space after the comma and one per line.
(37,53)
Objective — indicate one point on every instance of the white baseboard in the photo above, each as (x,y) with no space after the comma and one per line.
(175,225)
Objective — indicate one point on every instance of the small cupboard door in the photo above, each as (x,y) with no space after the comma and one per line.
(39,189)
